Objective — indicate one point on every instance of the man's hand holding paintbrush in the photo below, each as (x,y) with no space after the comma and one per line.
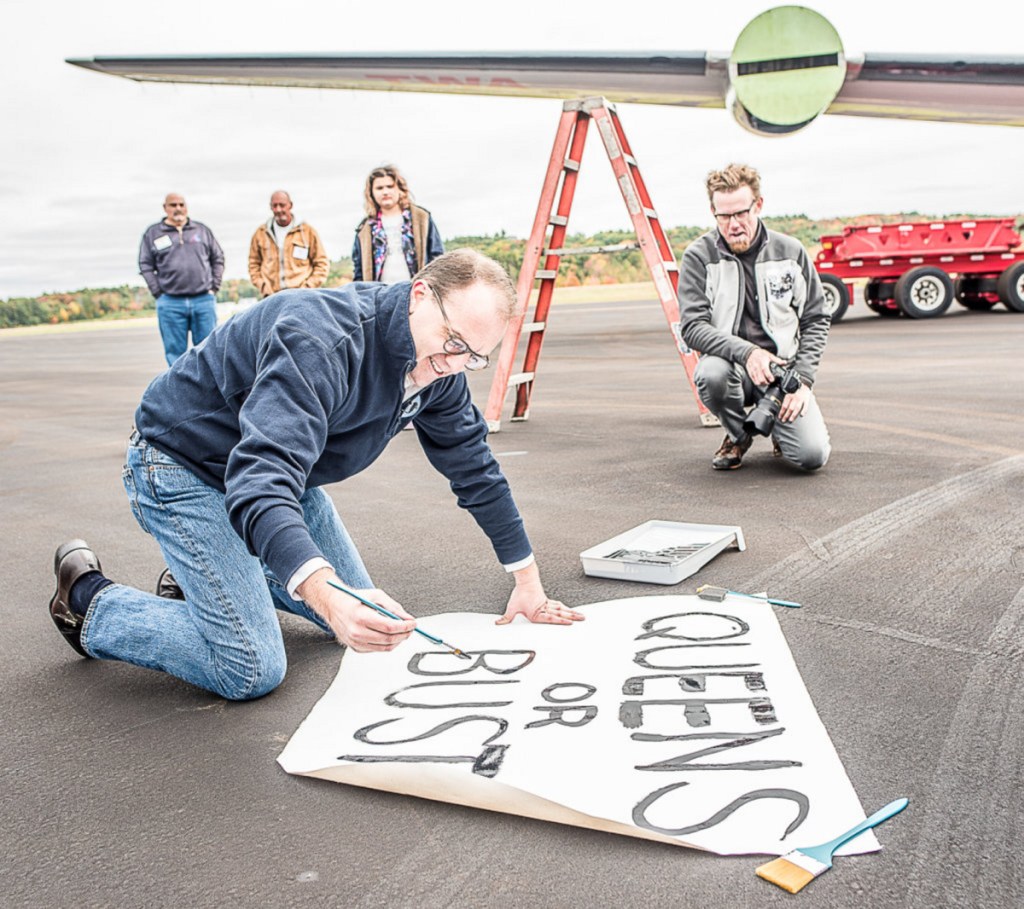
(364,630)
(386,624)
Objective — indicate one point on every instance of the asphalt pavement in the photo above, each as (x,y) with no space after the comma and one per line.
(123,787)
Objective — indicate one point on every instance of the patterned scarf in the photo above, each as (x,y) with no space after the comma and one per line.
(380,243)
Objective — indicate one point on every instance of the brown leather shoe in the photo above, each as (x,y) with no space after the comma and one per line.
(167,587)
(730,455)
(71,560)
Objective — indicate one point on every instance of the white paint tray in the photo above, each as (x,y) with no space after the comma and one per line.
(660,552)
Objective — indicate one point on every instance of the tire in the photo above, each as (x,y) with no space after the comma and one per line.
(878,298)
(978,304)
(837,297)
(1010,287)
(967,290)
(886,312)
(924,292)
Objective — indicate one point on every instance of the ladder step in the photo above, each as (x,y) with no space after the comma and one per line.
(650,238)
(589,250)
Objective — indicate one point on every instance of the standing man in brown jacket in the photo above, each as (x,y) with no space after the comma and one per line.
(285,252)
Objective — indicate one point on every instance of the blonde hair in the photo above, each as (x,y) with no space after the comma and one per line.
(731,178)
(385,170)
(460,268)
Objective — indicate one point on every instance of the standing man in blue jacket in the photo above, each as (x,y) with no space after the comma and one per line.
(750,301)
(233,446)
(183,264)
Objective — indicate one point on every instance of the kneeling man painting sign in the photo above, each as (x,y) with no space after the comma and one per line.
(667,718)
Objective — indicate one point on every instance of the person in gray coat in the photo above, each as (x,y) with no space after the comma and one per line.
(751,304)
(183,264)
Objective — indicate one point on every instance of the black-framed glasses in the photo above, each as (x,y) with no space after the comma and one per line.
(454,345)
(724,218)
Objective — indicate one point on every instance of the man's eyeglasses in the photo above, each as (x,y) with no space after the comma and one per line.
(724,218)
(454,345)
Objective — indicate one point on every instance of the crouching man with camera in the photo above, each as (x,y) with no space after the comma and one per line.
(751,303)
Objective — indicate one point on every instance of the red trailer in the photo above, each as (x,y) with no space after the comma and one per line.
(918,268)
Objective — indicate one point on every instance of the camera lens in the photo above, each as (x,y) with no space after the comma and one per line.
(762,418)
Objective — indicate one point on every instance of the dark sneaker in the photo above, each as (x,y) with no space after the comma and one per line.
(167,587)
(776,448)
(730,455)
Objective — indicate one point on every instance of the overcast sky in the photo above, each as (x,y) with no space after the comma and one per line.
(88,158)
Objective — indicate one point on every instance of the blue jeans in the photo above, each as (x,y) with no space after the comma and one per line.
(177,316)
(225,636)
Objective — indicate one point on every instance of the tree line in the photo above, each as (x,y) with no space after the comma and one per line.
(585,269)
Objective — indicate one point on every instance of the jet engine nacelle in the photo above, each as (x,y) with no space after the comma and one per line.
(787,67)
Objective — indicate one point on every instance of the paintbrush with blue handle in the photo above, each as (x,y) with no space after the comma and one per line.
(796,870)
(717,594)
(376,607)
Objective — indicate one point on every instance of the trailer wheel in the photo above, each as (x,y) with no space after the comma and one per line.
(886,312)
(878,297)
(968,291)
(837,297)
(924,292)
(1010,287)
(975,302)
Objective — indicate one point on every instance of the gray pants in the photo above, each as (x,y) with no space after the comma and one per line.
(726,390)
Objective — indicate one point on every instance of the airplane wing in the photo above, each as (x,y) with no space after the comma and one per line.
(980,89)
(787,68)
(969,89)
(688,79)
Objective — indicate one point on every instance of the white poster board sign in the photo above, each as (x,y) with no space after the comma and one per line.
(667,718)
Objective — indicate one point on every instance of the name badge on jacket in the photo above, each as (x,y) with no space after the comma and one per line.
(300,252)
(163,242)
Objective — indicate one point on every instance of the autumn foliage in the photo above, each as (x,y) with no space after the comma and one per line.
(586,269)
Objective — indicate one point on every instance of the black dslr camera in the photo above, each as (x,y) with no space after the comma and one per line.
(762,418)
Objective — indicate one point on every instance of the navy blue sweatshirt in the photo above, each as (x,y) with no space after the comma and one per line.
(304,389)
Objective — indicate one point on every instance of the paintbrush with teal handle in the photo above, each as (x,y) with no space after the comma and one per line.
(798,868)
(376,607)
(717,594)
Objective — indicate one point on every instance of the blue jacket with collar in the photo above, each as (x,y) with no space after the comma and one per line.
(304,389)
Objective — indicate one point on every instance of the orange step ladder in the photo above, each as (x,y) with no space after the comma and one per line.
(560,181)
